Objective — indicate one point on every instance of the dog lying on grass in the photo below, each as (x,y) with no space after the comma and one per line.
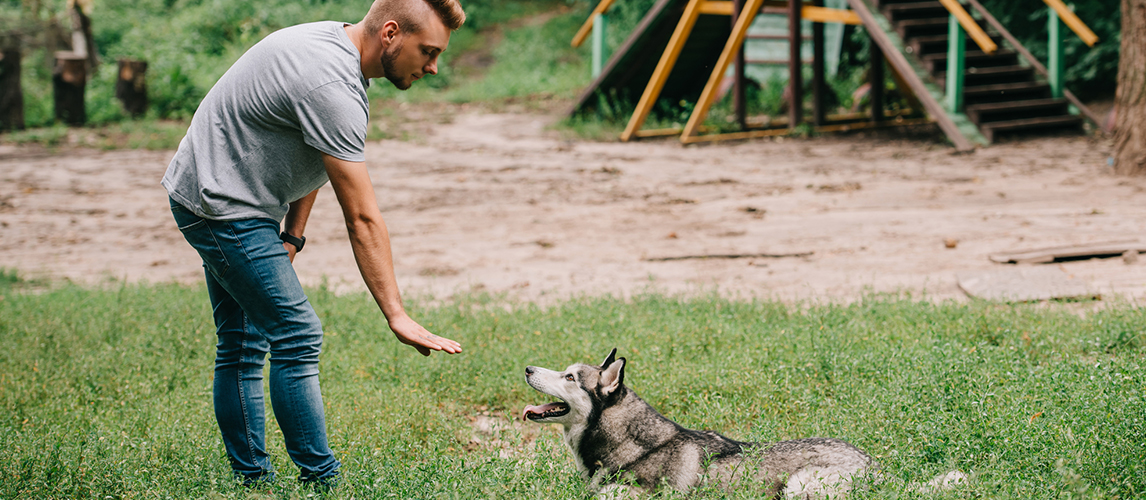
(617,439)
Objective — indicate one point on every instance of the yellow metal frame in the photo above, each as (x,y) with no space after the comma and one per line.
(731,47)
(1073,22)
(676,44)
(664,67)
(970,26)
(587,28)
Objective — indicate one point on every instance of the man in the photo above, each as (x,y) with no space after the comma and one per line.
(288,116)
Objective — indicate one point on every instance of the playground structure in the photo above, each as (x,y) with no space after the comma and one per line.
(971,95)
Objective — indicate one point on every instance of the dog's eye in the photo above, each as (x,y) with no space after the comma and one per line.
(569,377)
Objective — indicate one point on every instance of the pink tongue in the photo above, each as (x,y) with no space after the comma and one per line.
(539,410)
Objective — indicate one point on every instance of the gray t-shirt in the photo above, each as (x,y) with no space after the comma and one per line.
(255,143)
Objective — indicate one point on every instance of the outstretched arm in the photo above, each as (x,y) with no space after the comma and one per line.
(371,244)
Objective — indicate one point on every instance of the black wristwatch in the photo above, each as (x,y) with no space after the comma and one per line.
(297,242)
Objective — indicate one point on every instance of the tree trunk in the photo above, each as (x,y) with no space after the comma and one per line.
(68,80)
(11,94)
(1130,98)
(131,86)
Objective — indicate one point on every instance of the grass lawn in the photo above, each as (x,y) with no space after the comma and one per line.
(106,393)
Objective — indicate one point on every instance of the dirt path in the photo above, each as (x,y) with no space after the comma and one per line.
(492,202)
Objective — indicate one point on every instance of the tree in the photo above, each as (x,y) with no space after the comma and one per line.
(1130,98)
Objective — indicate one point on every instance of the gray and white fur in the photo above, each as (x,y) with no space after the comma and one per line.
(617,438)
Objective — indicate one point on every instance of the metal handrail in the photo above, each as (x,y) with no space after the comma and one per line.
(1034,62)
(970,26)
(583,33)
(1073,22)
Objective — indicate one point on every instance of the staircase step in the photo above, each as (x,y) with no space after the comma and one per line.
(936,44)
(985,113)
(991,75)
(914,10)
(929,26)
(1001,92)
(973,59)
(990,130)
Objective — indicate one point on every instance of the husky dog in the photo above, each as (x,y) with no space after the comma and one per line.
(618,438)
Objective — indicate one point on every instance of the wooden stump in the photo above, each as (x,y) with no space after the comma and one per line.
(131,87)
(11,94)
(68,80)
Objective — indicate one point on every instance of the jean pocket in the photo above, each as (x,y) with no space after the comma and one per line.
(192,226)
(198,232)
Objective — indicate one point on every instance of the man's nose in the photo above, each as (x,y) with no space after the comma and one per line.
(432,68)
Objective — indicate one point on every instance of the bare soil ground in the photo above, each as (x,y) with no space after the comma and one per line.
(497,203)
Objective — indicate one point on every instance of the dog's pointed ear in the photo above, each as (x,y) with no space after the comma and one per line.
(613,376)
(609,360)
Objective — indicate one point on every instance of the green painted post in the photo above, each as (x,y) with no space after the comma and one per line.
(955,64)
(600,52)
(1054,53)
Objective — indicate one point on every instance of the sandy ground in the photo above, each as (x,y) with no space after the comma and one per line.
(496,203)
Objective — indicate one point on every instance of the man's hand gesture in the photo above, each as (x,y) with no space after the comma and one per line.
(409,332)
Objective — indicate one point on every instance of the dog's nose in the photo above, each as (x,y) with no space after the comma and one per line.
(529,371)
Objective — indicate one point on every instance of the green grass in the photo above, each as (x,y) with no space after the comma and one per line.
(137,134)
(106,393)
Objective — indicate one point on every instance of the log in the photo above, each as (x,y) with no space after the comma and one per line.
(131,86)
(11,94)
(68,80)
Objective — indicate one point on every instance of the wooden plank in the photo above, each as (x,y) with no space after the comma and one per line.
(835,123)
(818,14)
(1073,22)
(731,47)
(811,13)
(819,113)
(795,65)
(847,127)
(732,136)
(877,82)
(1023,284)
(731,256)
(586,28)
(716,7)
(664,66)
(977,34)
(904,68)
(739,97)
(658,132)
(1051,254)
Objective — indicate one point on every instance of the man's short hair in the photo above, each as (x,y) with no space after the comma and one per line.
(409,14)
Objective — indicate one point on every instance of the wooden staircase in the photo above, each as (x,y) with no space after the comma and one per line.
(1000,96)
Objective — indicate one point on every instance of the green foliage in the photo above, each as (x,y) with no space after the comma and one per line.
(108,392)
(189,44)
(530,60)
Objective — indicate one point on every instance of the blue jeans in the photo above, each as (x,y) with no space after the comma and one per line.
(260,308)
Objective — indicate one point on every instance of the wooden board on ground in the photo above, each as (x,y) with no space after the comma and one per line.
(1072,252)
(1023,284)
(629,69)
(731,256)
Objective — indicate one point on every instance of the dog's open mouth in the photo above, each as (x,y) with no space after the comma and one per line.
(544,411)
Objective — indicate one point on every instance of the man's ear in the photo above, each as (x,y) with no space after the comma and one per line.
(613,376)
(609,360)
(389,31)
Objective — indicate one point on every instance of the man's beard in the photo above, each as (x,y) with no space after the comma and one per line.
(388,57)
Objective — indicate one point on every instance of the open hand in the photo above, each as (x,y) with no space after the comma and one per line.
(409,332)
